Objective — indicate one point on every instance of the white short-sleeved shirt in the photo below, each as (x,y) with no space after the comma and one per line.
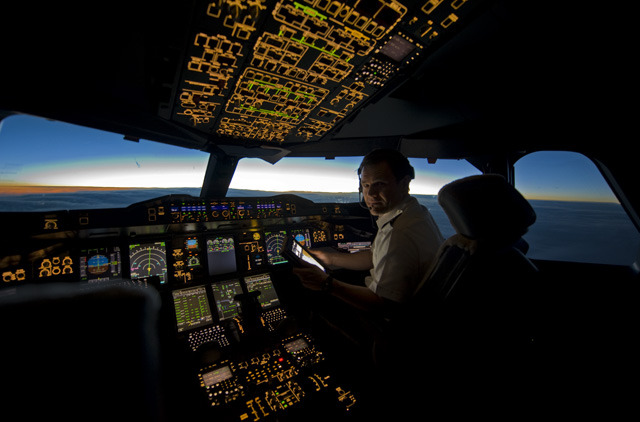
(403,249)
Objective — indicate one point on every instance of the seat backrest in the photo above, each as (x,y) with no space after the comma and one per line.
(487,209)
(80,352)
(469,319)
(489,216)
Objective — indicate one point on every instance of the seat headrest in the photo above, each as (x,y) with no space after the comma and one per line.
(486,208)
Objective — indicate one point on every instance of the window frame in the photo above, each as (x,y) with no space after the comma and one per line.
(608,178)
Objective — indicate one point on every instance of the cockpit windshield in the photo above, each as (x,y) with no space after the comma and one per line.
(50,165)
(336,180)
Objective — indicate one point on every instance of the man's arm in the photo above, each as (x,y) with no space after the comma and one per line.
(360,297)
(359,261)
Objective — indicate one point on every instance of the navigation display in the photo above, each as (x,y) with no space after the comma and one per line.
(224,294)
(275,243)
(148,261)
(100,264)
(192,308)
(221,255)
(262,282)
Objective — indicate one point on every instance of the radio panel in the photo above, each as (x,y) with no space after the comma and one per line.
(270,383)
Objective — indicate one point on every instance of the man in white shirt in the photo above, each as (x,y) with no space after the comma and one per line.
(405,245)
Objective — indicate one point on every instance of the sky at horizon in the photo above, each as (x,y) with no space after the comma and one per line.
(31,154)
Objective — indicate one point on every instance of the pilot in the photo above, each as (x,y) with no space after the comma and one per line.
(404,247)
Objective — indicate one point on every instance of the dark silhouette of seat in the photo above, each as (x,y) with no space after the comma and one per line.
(80,353)
(466,336)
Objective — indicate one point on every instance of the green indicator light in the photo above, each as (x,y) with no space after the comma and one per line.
(288,91)
(301,41)
(310,11)
(275,113)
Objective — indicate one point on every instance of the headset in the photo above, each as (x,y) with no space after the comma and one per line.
(360,196)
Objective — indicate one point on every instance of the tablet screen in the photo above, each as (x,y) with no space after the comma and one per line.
(303,254)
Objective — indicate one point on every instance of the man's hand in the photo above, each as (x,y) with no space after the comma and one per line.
(312,277)
(360,297)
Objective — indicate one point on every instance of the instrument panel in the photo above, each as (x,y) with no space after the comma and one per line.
(224,287)
(170,241)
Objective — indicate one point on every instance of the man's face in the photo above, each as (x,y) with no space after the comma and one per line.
(380,189)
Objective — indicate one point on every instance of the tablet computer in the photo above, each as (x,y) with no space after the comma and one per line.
(297,254)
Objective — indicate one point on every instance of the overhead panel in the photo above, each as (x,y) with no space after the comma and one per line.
(279,72)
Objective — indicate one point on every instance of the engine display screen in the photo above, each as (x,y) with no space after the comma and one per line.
(221,255)
(192,308)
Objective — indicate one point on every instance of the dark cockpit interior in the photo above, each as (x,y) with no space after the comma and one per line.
(182,307)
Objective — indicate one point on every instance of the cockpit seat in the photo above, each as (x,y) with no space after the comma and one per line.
(80,352)
(467,332)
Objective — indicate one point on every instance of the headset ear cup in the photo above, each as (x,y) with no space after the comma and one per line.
(361,201)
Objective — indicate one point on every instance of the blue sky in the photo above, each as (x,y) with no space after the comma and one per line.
(561,175)
(35,151)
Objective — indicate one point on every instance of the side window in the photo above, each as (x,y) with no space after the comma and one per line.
(578,217)
(49,165)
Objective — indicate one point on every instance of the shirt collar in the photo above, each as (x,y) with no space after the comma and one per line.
(388,217)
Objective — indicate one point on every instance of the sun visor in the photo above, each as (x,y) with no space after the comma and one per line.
(270,154)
